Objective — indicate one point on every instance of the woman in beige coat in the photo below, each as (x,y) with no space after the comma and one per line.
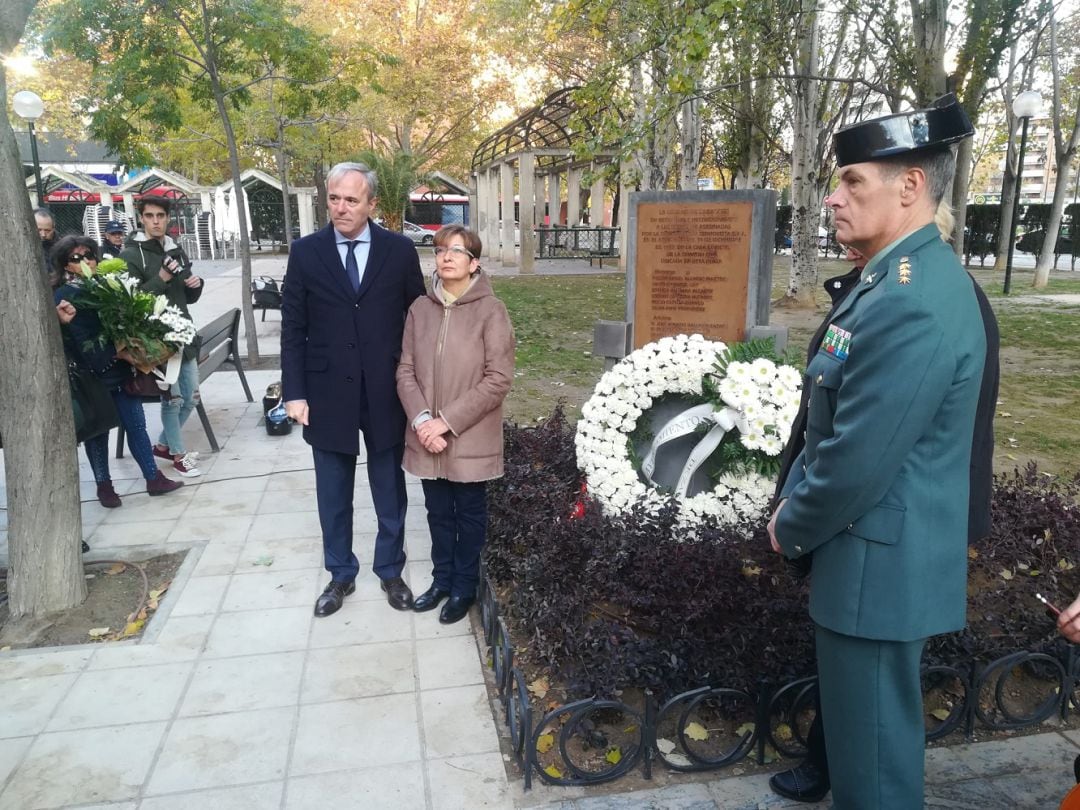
(457,363)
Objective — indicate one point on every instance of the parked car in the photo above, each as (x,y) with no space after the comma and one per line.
(419,236)
(1032,242)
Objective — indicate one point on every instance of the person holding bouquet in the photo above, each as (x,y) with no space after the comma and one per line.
(85,343)
(162,268)
(457,363)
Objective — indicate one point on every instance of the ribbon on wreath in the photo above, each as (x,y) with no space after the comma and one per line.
(684,424)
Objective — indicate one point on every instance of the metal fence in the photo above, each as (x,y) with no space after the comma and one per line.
(576,243)
(568,737)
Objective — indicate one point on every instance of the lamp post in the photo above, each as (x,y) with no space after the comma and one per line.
(1024,107)
(29,107)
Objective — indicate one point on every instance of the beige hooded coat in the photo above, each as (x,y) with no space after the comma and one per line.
(457,362)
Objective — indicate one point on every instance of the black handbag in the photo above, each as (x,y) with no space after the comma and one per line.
(91,404)
(265,293)
(142,385)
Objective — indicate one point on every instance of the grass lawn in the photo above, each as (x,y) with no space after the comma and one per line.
(1039,405)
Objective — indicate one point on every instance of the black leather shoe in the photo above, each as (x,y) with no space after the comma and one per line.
(455,609)
(803,783)
(429,599)
(397,593)
(333,597)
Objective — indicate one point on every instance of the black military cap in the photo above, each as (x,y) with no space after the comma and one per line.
(940,125)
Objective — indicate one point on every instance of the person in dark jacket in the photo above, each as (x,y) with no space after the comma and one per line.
(164,269)
(113,244)
(109,366)
(809,781)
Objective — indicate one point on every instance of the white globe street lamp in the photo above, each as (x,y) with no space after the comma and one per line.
(29,107)
(1025,106)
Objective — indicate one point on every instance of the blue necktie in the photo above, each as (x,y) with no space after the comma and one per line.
(351,268)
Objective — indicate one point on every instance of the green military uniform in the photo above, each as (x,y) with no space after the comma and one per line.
(879,496)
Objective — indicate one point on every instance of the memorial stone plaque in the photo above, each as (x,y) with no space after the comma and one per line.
(700,262)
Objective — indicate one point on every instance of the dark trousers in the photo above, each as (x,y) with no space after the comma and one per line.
(335,476)
(871,694)
(457,518)
(130,411)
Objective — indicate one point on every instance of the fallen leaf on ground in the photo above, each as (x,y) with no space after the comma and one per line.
(751,570)
(539,687)
(553,772)
(133,628)
(5,649)
(782,732)
(1006,573)
(678,760)
(116,568)
(544,743)
(940,714)
(613,756)
(265,559)
(98,632)
(664,746)
(745,728)
(696,731)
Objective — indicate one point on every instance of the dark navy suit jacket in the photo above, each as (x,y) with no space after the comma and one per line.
(336,343)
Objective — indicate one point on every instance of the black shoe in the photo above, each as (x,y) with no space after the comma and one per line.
(803,783)
(333,597)
(397,593)
(455,609)
(429,599)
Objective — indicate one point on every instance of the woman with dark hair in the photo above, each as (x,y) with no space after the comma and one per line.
(110,367)
(457,363)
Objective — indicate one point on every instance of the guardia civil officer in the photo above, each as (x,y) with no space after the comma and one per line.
(879,495)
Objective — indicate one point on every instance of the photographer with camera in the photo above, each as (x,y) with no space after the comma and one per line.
(164,269)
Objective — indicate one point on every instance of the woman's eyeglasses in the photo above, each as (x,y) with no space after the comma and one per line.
(453,250)
(82,257)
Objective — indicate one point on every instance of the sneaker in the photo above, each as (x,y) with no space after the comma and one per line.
(161,485)
(162,452)
(107,496)
(185,465)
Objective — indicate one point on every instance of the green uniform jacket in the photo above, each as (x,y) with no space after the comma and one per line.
(879,495)
(144,256)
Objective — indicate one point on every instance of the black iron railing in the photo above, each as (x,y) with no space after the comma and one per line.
(968,695)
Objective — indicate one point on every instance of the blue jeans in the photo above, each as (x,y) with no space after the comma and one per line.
(131,415)
(177,407)
(457,518)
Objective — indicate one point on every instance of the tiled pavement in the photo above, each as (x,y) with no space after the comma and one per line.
(238,698)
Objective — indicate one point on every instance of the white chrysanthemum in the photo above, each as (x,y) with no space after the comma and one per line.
(763,370)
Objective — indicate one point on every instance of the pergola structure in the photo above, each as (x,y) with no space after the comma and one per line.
(538,149)
(65,185)
(304,210)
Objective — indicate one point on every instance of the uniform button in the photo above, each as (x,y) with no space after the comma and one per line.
(850,526)
(804,466)
(820,377)
(798,549)
(804,437)
(356,306)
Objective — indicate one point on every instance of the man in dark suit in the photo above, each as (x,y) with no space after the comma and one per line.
(880,493)
(348,288)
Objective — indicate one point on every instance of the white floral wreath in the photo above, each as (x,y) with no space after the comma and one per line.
(759,399)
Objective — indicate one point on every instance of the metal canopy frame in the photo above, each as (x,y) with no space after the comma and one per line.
(544,131)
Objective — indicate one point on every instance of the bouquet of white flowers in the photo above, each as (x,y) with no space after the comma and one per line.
(146,327)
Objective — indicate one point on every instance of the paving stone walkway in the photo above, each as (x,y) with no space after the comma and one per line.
(238,698)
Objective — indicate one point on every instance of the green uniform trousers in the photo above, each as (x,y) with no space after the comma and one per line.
(871,701)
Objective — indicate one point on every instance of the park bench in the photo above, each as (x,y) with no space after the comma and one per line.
(217,342)
(606,247)
(266,294)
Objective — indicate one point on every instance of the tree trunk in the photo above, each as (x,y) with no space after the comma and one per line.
(45,570)
(691,144)
(245,238)
(1064,149)
(806,182)
(319,173)
(928,20)
(960,193)
(283,173)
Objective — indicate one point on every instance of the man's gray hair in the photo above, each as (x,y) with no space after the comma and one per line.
(44,213)
(339,170)
(939,166)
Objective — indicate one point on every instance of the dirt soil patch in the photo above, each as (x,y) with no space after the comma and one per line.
(119,604)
